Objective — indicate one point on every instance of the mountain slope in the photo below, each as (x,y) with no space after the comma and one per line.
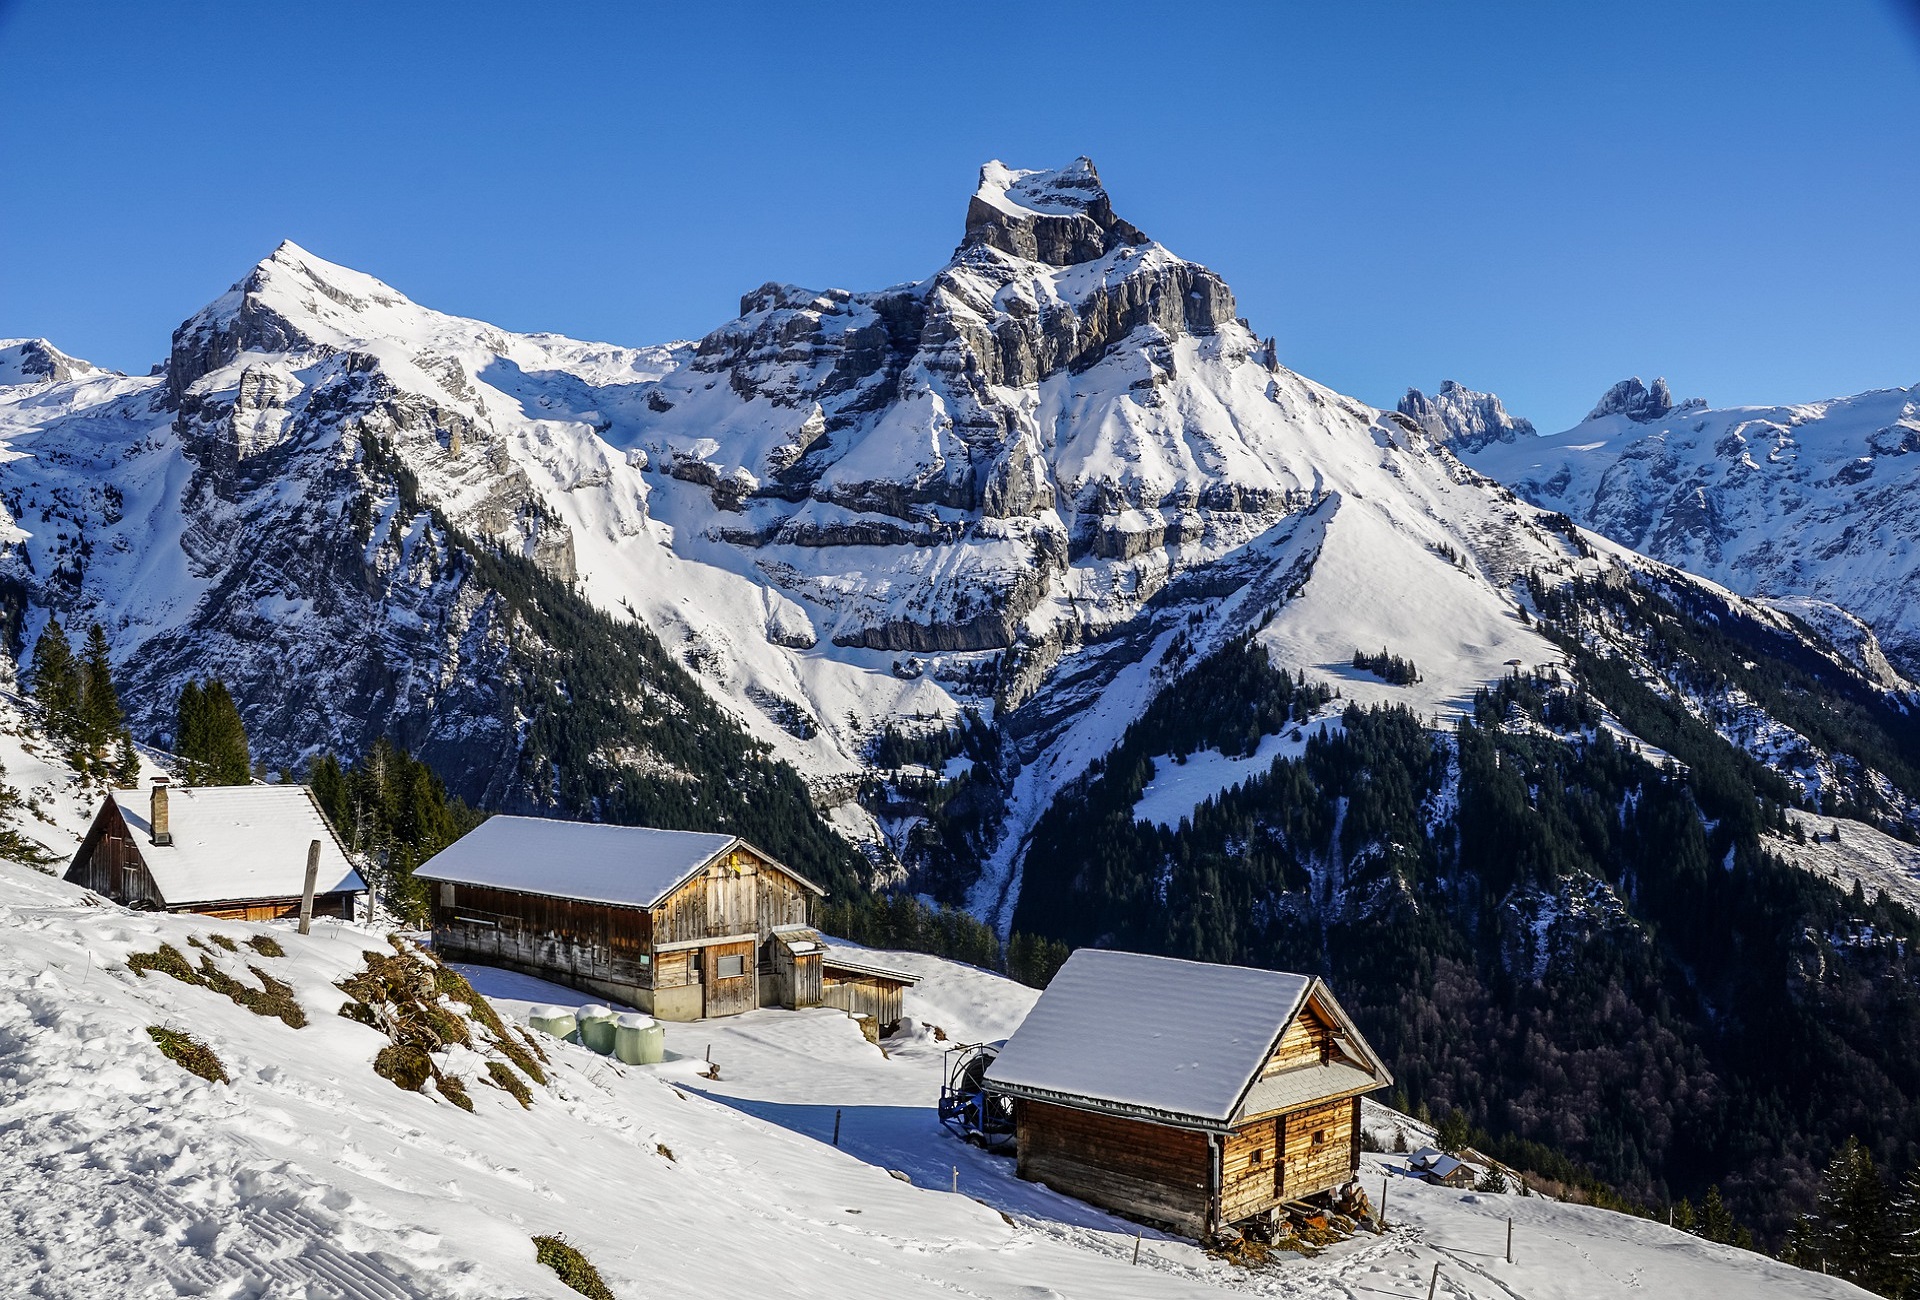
(310,1174)
(1811,501)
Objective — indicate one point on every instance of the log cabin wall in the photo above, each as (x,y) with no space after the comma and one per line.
(1319,1148)
(1308,1040)
(1145,1171)
(1251,1167)
(592,945)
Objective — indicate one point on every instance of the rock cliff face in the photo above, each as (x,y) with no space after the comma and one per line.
(1639,403)
(1463,419)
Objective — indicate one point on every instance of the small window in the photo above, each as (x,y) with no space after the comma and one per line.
(446,893)
(730,967)
(1319,1136)
(1259,1154)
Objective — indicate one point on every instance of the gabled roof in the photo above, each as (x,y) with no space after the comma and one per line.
(233,843)
(1178,1042)
(626,866)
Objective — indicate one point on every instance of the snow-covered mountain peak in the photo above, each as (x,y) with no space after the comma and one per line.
(1462,418)
(1061,217)
(36,361)
(1641,404)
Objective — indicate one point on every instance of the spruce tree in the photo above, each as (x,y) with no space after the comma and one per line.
(1858,1232)
(101,720)
(210,737)
(56,683)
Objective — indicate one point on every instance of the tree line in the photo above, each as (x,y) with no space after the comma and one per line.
(80,706)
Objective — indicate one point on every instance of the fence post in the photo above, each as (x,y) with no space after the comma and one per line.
(836,1128)
(1383,1205)
(1435,1282)
(306,895)
(1509,1239)
(1136,1249)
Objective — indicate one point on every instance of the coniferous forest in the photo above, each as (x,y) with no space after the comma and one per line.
(1586,954)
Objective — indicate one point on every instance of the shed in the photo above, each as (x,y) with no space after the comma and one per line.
(1185,1093)
(1440,1168)
(859,986)
(235,851)
(677,923)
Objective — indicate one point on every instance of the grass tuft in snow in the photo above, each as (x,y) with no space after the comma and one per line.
(450,1087)
(502,1077)
(406,1064)
(272,998)
(266,945)
(571,1267)
(221,941)
(188,1052)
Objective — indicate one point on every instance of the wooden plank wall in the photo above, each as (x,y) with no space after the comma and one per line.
(277,909)
(109,862)
(1146,1171)
(1307,1041)
(884,1000)
(1315,1166)
(738,894)
(587,940)
(1250,1168)
(731,996)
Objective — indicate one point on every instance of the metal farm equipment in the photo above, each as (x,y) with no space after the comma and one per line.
(968,1106)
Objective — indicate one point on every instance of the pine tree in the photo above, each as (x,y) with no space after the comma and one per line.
(1855,1220)
(1454,1132)
(190,731)
(1904,1254)
(101,720)
(56,683)
(1716,1224)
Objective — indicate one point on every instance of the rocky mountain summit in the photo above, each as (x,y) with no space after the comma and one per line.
(1463,419)
(1641,404)
(1032,486)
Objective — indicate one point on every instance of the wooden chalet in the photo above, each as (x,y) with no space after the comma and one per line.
(681,924)
(1183,1093)
(235,851)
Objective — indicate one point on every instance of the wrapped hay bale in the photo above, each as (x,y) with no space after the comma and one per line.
(639,1040)
(595,1023)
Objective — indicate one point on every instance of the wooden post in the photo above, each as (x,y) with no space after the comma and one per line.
(956,1180)
(1136,1249)
(1383,1205)
(306,895)
(1509,1239)
(1435,1282)
(836,1127)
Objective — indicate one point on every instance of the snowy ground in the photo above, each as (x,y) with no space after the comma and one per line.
(1870,856)
(311,1176)
(1178,789)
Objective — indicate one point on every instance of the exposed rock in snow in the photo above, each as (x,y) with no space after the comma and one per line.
(1636,401)
(1814,500)
(1462,418)
(36,361)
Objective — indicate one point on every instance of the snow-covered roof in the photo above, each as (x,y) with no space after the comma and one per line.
(1182,1039)
(627,866)
(236,842)
(855,962)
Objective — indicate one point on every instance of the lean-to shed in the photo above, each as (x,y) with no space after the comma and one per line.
(237,851)
(682,924)
(1185,1093)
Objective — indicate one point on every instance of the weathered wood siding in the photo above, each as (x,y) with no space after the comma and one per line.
(1145,1171)
(724,995)
(864,995)
(1319,1149)
(740,893)
(789,980)
(1251,1165)
(1308,1040)
(109,862)
(572,940)
(275,909)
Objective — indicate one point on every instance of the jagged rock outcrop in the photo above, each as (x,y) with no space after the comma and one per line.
(1635,400)
(36,361)
(1463,419)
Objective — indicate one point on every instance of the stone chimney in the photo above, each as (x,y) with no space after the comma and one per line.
(162,832)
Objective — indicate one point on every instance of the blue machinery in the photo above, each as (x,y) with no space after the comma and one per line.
(968,1106)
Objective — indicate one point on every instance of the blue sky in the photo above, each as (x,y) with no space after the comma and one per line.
(1533,198)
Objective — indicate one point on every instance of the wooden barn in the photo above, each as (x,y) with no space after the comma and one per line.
(861,987)
(235,851)
(1183,1093)
(681,924)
